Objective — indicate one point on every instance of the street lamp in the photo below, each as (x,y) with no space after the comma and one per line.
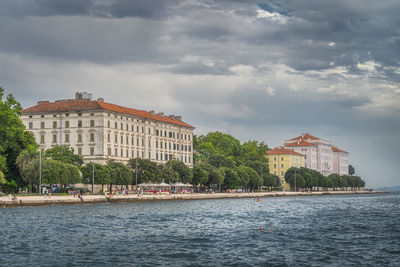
(136,175)
(92,178)
(295,180)
(40,170)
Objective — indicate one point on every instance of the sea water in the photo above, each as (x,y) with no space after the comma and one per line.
(351,230)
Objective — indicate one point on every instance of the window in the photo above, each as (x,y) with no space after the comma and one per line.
(157,156)
(67,138)
(170,134)
(30,125)
(42,138)
(165,133)
(189,137)
(177,147)
(127,140)
(137,128)
(149,155)
(109,151)
(79,124)
(156,144)
(282,173)
(79,151)
(127,153)
(30,116)
(42,125)
(66,124)
(142,129)
(275,159)
(282,158)
(122,152)
(91,114)
(122,126)
(174,146)
(142,154)
(109,138)
(91,123)
(166,157)
(190,148)
(116,125)
(116,139)
(122,139)
(281,165)
(137,154)
(170,156)
(42,116)
(174,135)
(160,156)
(54,125)
(127,127)
(149,131)
(54,138)
(149,143)
(91,137)
(116,152)
(275,166)
(132,128)
(132,142)
(79,138)
(91,151)
(67,115)
(157,132)
(137,142)
(54,115)
(142,141)
(169,145)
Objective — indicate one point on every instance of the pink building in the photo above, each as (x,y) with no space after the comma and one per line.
(340,161)
(319,154)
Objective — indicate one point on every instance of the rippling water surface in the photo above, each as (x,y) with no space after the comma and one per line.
(358,230)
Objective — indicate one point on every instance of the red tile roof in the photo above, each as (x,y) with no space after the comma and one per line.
(335,149)
(300,143)
(86,105)
(305,137)
(277,151)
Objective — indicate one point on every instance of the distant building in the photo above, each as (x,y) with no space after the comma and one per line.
(281,159)
(101,131)
(340,161)
(320,154)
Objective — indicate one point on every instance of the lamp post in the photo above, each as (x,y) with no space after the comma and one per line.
(40,170)
(92,178)
(295,180)
(136,175)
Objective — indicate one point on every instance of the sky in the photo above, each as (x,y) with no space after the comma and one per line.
(258,70)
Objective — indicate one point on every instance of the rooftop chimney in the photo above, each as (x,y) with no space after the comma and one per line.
(78,95)
(161,114)
(100,99)
(179,118)
(172,116)
(152,112)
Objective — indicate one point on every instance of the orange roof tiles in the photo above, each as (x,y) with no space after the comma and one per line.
(305,136)
(301,143)
(85,105)
(335,149)
(277,151)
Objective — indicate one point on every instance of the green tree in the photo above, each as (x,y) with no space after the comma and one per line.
(185,173)
(146,169)
(168,174)
(101,174)
(252,151)
(13,137)
(243,174)
(337,180)
(27,156)
(218,160)
(232,179)
(351,170)
(223,144)
(200,176)
(120,174)
(255,181)
(64,154)
(271,180)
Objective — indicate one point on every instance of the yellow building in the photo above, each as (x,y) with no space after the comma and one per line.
(281,159)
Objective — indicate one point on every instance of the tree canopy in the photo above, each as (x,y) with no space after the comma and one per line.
(64,154)
(13,137)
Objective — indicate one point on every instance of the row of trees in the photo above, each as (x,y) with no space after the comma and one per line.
(303,178)
(221,161)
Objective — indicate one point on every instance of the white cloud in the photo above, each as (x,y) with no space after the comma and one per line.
(272,16)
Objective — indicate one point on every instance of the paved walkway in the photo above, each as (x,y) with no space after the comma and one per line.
(6,201)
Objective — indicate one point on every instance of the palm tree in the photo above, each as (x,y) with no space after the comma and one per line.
(27,156)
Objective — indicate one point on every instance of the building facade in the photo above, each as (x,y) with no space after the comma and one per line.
(282,159)
(319,154)
(101,131)
(340,161)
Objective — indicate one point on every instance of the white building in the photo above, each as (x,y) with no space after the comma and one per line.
(320,154)
(101,131)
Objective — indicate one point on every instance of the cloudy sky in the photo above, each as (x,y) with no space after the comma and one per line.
(261,70)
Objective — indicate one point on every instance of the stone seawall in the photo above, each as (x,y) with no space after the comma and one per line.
(5,201)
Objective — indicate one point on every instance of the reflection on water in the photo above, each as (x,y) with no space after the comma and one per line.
(310,231)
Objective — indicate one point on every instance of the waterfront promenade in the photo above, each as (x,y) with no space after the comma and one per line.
(6,201)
